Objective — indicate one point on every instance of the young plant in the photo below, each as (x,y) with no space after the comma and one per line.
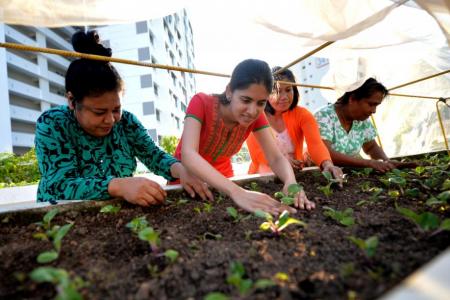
(137,224)
(276,227)
(254,186)
(149,235)
(237,279)
(293,190)
(362,172)
(441,199)
(207,208)
(66,287)
(54,233)
(326,189)
(48,217)
(369,246)
(110,209)
(235,215)
(171,255)
(344,217)
(425,221)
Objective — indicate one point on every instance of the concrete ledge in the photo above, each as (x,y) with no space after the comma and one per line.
(431,282)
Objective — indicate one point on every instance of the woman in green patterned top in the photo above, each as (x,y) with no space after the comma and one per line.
(345,128)
(88,150)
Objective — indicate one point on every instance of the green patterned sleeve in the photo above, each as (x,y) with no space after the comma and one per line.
(325,123)
(60,179)
(369,132)
(155,159)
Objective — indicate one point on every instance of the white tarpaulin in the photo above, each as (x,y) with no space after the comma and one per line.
(394,41)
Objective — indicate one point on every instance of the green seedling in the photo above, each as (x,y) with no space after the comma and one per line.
(237,217)
(216,296)
(369,246)
(362,172)
(171,255)
(419,170)
(346,269)
(344,217)
(276,227)
(293,190)
(207,208)
(110,209)
(366,186)
(54,233)
(441,199)
(66,287)
(137,224)
(237,279)
(254,186)
(149,235)
(48,217)
(326,189)
(425,221)
(393,194)
(182,201)
(445,185)
(413,193)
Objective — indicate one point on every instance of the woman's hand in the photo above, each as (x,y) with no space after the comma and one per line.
(300,201)
(137,190)
(336,172)
(193,185)
(381,166)
(296,164)
(253,201)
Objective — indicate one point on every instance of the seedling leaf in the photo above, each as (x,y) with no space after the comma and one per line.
(47,256)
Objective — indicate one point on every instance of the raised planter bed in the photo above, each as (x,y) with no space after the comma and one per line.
(318,261)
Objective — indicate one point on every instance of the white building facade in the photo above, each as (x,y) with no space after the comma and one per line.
(311,71)
(30,82)
(158,97)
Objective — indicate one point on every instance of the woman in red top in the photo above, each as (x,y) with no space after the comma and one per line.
(216,126)
(291,125)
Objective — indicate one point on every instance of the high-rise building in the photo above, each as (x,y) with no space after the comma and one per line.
(30,82)
(311,71)
(158,97)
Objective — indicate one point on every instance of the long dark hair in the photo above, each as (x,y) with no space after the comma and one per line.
(86,77)
(285,75)
(247,72)
(369,87)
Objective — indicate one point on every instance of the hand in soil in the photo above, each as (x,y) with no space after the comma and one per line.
(300,200)
(337,173)
(252,201)
(381,166)
(137,190)
(192,185)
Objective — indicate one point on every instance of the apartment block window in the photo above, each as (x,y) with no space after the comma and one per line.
(183,107)
(144,54)
(156,89)
(154,61)
(148,108)
(177,120)
(174,79)
(141,27)
(146,81)
(153,134)
(172,58)
(158,115)
(175,98)
(170,37)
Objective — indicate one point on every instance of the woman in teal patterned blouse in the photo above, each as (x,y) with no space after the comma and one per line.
(345,128)
(88,150)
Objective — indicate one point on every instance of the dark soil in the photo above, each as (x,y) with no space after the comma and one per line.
(320,260)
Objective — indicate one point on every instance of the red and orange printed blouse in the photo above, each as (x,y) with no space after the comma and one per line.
(217,142)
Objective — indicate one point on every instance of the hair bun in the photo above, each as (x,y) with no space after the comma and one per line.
(89,43)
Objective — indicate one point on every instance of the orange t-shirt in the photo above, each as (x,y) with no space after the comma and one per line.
(301,125)
(217,142)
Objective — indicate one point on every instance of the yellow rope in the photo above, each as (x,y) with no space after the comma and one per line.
(442,126)
(303,57)
(378,136)
(418,80)
(105,58)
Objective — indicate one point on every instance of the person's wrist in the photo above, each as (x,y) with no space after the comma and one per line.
(114,187)
(326,164)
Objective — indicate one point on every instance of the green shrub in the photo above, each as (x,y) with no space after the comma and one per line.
(169,143)
(18,170)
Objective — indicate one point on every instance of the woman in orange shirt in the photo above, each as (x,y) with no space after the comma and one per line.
(216,126)
(291,125)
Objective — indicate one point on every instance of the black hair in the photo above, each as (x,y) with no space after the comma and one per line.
(246,73)
(285,75)
(369,87)
(86,77)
